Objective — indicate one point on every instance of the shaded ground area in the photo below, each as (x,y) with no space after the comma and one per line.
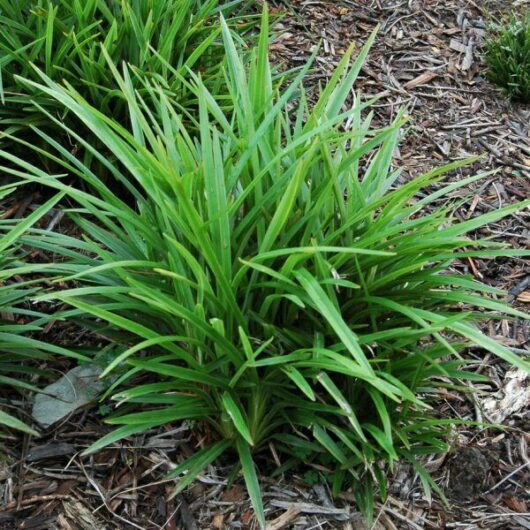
(427,56)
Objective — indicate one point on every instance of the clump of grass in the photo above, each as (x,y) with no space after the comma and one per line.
(507,55)
(271,283)
(71,41)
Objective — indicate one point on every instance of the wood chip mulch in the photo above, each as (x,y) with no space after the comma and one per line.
(427,56)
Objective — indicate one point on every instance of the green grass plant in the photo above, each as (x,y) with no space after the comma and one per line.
(70,41)
(272,284)
(507,56)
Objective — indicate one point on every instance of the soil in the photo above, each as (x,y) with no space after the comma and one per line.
(468,472)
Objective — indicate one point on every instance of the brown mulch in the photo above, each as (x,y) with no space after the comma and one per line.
(427,57)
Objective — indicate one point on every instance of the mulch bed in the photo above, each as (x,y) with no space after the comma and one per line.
(427,57)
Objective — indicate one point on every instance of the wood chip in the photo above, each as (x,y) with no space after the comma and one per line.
(468,58)
(286,518)
(218,521)
(524,297)
(513,397)
(457,46)
(304,507)
(80,516)
(422,79)
(515,504)
(48,451)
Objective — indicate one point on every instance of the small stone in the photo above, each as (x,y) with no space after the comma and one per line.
(77,388)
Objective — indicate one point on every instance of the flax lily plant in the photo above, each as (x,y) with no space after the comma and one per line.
(266,279)
(70,41)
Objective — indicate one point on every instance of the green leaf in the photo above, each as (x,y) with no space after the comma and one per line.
(342,402)
(300,381)
(10,421)
(24,225)
(237,417)
(333,317)
(328,444)
(194,465)
(251,480)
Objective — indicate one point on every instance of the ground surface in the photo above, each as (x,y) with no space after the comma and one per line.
(427,56)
